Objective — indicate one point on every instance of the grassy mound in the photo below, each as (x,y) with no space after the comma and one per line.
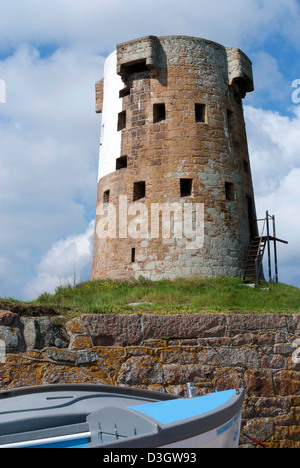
(178,296)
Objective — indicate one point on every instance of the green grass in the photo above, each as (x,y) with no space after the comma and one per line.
(177,296)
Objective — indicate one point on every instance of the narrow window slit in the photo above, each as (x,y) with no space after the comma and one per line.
(121,163)
(229,119)
(159,112)
(139,190)
(186,186)
(200,113)
(230,191)
(121,120)
(246,167)
(106,196)
(138,67)
(124,92)
(133,255)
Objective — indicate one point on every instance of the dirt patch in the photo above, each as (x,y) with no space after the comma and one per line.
(33,310)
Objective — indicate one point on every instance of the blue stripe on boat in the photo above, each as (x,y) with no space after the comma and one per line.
(75,443)
(170,411)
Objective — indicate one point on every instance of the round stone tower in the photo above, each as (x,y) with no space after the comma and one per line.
(175,195)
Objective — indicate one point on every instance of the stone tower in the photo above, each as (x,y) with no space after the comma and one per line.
(175,195)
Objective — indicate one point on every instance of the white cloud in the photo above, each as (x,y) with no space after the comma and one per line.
(49,137)
(284,203)
(270,83)
(99,24)
(274,146)
(68,260)
(274,143)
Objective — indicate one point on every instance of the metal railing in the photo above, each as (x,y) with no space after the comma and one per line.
(267,240)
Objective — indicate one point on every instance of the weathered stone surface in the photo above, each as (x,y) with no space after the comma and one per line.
(287,383)
(203,349)
(226,377)
(60,355)
(75,327)
(183,326)
(6,317)
(262,322)
(99,88)
(41,332)
(236,357)
(259,382)
(114,330)
(173,374)
(293,324)
(86,357)
(140,371)
(78,334)
(273,362)
(13,339)
(80,342)
(261,430)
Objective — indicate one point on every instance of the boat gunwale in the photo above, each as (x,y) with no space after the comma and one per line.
(131,391)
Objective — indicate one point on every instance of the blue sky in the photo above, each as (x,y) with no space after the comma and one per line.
(52,53)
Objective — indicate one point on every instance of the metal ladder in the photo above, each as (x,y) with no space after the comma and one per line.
(253,271)
(254,261)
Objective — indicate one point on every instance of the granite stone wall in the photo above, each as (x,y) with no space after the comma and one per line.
(215,351)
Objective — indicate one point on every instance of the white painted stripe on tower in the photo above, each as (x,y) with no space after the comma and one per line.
(110,143)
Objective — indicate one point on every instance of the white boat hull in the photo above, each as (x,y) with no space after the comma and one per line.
(226,436)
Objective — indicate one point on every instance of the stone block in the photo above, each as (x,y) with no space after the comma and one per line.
(259,382)
(114,330)
(140,371)
(99,89)
(226,378)
(240,70)
(287,383)
(7,317)
(262,322)
(41,332)
(13,339)
(183,326)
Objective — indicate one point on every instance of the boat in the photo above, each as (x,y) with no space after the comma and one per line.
(99,416)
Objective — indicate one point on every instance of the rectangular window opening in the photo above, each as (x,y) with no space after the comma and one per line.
(200,113)
(186,187)
(159,112)
(246,167)
(121,163)
(121,120)
(139,190)
(124,92)
(106,196)
(133,255)
(230,191)
(229,119)
(138,67)
(249,202)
